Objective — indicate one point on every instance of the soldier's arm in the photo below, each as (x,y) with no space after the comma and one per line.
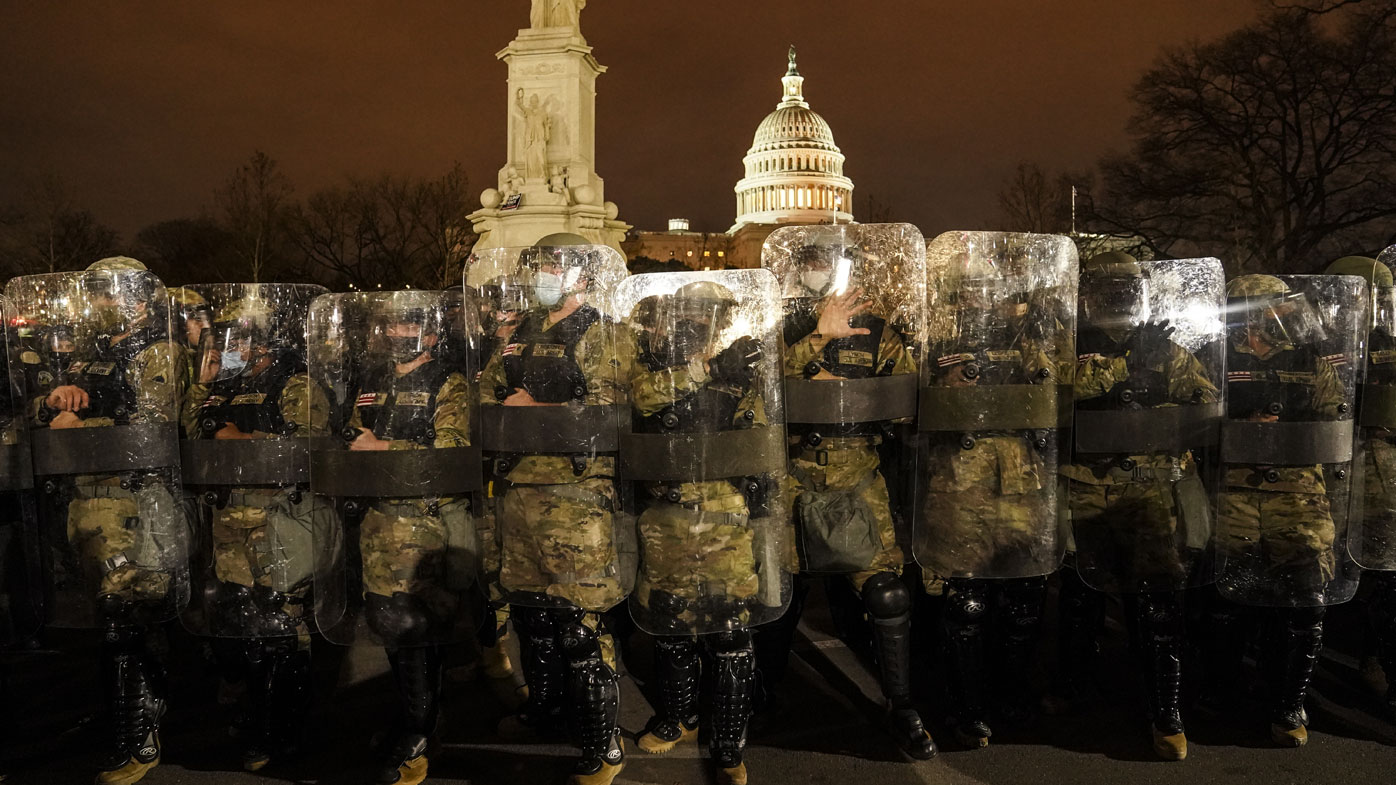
(1187,377)
(1328,390)
(597,357)
(452,420)
(493,377)
(1096,375)
(756,404)
(305,405)
(893,348)
(800,354)
(158,380)
(193,402)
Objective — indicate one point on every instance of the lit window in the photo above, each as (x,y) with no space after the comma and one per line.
(721,254)
(707,253)
(690,253)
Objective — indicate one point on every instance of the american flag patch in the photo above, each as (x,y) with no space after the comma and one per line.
(1336,360)
(370,399)
(1082,358)
(1239,376)
(953,359)
(512,349)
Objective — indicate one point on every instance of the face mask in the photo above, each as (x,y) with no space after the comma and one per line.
(231,364)
(405,350)
(815,280)
(109,318)
(688,338)
(547,287)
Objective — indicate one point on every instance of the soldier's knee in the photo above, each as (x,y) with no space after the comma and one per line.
(886,596)
(732,641)
(676,648)
(1023,596)
(580,642)
(115,610)
(532,622)
(966,604)
(399,620)
(1308,620)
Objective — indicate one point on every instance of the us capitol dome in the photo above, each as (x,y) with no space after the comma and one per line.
(794,171)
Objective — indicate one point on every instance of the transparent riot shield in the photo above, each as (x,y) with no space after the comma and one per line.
(995,402)
(1372,541)
(552,400)
(705,449)
(104,437)
(1294,355)
(395,480)
(21,589)
(853,300)
(1148,409)
(249,417)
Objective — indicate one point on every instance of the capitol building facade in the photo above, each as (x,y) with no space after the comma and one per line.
(794,175)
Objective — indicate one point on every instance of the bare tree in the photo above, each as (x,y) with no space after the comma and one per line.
(1032,200)
(50,233)
(1273,147)
(256,202)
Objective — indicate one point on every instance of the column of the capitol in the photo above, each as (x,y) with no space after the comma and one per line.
(549,182)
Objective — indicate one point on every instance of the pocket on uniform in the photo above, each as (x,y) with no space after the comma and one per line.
(838,531)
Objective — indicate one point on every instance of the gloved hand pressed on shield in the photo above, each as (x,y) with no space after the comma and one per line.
(1149,344)
(736,363)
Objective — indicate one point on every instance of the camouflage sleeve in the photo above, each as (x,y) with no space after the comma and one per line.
(599,360)
(893,348)
(651,391)
(1037,358)
(193,402)
(158,377)
(754,401)
(1096,375)
(306,406)
(1186,376)
(492,377)
(800,354)
(452,420)
(1328,390)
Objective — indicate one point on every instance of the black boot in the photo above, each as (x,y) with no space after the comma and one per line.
(966,611)
(417,671)
(678,670)
(734,662)
(280,693)
(540,651)
(133,706)
(889,604)
(1020,626)
(1302,641)
(773,641)
(1223,651)
(594,702)
(1080,620)
(1159,618)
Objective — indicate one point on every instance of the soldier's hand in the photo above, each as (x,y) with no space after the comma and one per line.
(837,311)
(65,420)
(736,363)
(520,397)
(1148,346)
(230,431)
(68,398)
(367,442)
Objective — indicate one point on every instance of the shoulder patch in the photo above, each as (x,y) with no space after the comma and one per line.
(852,357)
(29,358)
(412,399)
(1384,356)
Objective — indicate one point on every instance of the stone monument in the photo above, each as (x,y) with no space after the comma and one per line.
(549,182)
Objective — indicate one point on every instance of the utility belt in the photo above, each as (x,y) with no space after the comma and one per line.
(1130,468)
(430,508)
(671,494)
(120,486)
(826,451)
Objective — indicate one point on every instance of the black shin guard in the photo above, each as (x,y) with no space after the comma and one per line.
(134,709)
(1159,618)
(889,605)
(679,671)
(543,665)
(733,681)
(1302,640)
(966,612)
(594,695)
(1081,619)
(417,670)
(1020,626)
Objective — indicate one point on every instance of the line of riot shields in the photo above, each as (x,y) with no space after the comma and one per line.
(271,459)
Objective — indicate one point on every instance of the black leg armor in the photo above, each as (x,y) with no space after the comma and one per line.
(1019,627)
(1081,619)
(733,681)
(279,690)
(1302,640)
(679,671)
(130,680)
(774,639)
(889,605)
(543,669)
(417,671)
(1160,622)
(966,615)
(1223,649)
(594,695)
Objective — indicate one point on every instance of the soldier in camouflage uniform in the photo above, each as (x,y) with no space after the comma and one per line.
(555,512)
(262,553)
(680,383)
(1377,545)
(1275,525)
(124,527)
(410,400)
(1125,512)
(841,502)
(989,508)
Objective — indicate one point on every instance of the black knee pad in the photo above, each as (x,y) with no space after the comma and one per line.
(886,596)
(1307,620)
(399,620)
(966,603)
(731,641)
(532,623)
(675,648)
(580,643)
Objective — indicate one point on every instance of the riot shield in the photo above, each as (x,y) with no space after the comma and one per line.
(394,481)
(1372,542)
(1294,355)
(853,300)
(249,419)
(552,400)
(995,402)
(1148,408)
(20,584)
(705,449)
(105,444)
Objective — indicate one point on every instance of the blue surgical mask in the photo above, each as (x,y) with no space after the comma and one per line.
(232,364)
(547,287)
